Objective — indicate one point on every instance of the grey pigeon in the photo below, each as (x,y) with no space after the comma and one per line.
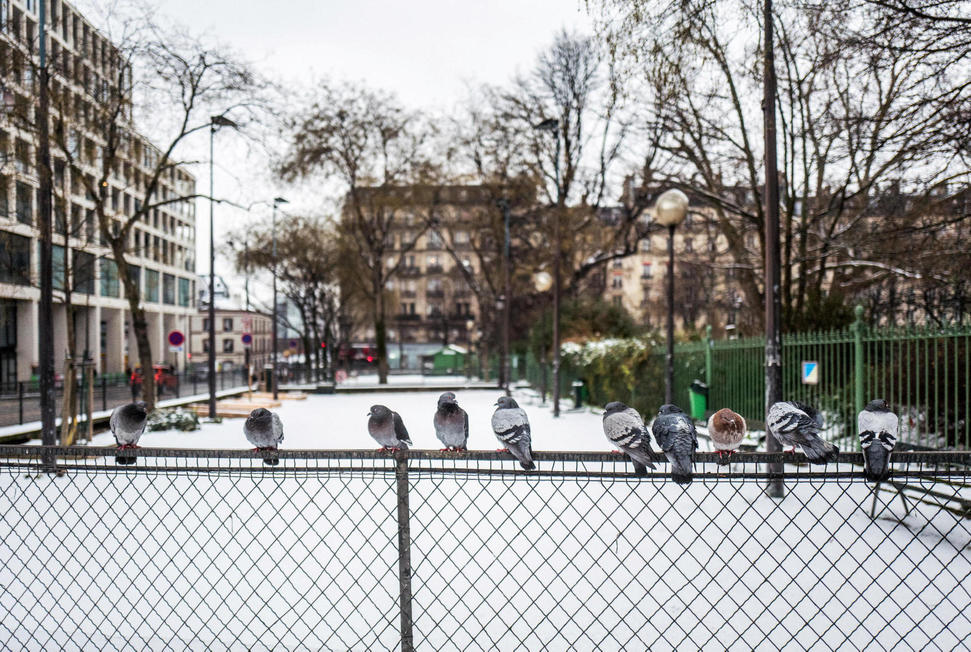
(511,426)
(388,429)
(451,423)
(726,430)
(264,430)
(127,423)
(797,424)
(625,429)
(676,435)
(878,434)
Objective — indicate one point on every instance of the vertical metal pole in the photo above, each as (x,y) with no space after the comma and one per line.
(507,299)
(404,553)
(45,313)
(104,392)
(20,399)
(212,279)
(669,358)
(276,378)
(858,360)
(708,347)
(558,253)
(773,278)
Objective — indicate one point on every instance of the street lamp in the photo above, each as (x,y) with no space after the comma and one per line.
(276,379)
(552,125)
(506,297)
(215,122)
(670,210)
(542,281)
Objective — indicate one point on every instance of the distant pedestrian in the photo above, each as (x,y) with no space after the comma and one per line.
(135,381)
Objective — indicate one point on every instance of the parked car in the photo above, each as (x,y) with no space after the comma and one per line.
(165,377)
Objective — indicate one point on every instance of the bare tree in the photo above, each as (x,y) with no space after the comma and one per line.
(376,152)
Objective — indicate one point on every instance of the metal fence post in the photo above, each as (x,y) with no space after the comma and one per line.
(404,553)
(858,359)
(20,400)
(708,344)
(104,393)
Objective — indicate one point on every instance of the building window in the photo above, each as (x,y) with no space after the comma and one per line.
(647,270)
(25,208)
(434,240)
(83,272)
(619,301)
(228,345)
(689,244)
(151,285)
(205,345)
(461,237)
(168,289)
(109,278)
(618,263)
(58,267)
(14,259)
(227,324)
(617,282)
(185,292)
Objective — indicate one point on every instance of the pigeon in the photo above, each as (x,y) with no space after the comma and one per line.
(451,423)
(388,429)
(794,423)
(625,429)
(727,430)
(127,423)
(511,426)
(878,434)
(676,435)
(264,430)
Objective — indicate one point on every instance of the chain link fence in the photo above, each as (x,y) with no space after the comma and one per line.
(440,551)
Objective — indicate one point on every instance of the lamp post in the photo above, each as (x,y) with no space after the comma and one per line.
(542,281)
(215,122)
(670,210)
(276,379)
(506,298)
(552,125)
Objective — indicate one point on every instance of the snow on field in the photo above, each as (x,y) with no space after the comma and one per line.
(239,559)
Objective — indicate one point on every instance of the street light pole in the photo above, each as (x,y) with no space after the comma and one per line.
(276,379)
(215,122)
(773,278)
(507,298)
(552,125)
(670,210)
(45,309)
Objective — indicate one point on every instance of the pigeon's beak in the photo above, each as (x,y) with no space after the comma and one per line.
(368,414)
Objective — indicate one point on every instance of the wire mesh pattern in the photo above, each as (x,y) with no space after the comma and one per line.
(212,549)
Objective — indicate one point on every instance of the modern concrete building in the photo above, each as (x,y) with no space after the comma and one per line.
(162,253)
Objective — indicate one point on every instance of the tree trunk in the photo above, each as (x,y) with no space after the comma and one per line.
(381,335)
(139,323)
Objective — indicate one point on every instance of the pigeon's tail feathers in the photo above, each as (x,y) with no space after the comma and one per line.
(271,460)
(641,458)
(877,467)
(680,468)
(640,469)
(523,453)
(403,444)
(819,451)
(124,460)
(528,465)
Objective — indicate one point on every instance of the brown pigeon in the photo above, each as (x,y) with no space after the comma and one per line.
(727,430)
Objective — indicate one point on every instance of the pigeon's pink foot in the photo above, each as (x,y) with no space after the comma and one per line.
(616,452)
(792,451)
(383,449)
(502,450)
(461,449)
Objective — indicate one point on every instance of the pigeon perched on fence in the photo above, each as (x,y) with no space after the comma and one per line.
(388,429)
(264,430)
(511,426)
(676,435)
(727,430)
(451,423)
(625,429)
(794,423)
(127,423)
(878,434)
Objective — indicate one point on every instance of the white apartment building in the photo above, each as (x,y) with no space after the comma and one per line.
(163,246)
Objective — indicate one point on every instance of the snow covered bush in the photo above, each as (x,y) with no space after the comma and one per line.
(177,419)
(629,370)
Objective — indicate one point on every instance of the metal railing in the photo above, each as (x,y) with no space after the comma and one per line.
(445,551)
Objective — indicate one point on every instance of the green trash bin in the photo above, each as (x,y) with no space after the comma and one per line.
(698,394)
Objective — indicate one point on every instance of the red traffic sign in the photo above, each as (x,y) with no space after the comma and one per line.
(176,338)
(247,339)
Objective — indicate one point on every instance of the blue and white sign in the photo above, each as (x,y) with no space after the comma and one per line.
(810,372)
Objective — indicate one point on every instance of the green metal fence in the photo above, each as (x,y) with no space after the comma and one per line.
(924,372)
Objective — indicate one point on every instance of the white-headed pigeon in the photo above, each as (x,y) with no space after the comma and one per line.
(625,429)
(451,423)
(797,424)
(676,435)
(878,435)
(511,426)
(388,429)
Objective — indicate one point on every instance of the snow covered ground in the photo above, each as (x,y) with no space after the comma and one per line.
(241,559)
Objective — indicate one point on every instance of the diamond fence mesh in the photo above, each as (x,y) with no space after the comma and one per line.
(362,550)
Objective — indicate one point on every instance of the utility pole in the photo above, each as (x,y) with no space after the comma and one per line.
(46,308)
(773,278)
(504,371)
